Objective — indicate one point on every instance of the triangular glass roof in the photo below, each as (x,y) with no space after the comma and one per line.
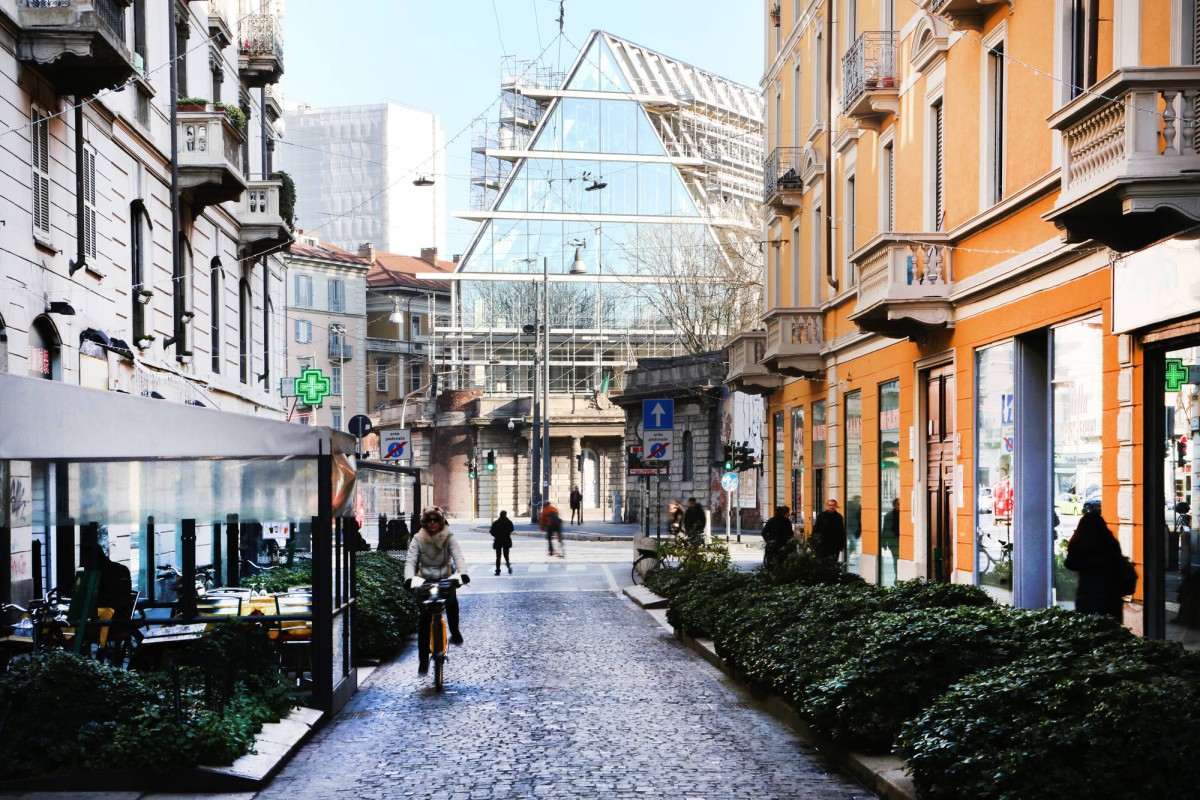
(591,125)
(598,71)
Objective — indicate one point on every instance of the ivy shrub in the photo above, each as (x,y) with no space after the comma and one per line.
(804,567)
(281,579)
(1116,722)
(384,612)
(701,599)
(236,658)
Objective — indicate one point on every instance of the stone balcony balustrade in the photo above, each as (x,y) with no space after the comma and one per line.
(904,284)
(795,337)
(746,372)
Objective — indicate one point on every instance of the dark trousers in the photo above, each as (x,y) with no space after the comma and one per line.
(550,536)
(503,551)
(577,515)
(451,597)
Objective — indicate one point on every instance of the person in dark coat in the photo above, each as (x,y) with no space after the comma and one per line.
(777,533)
(693,519)
(829,533)
(115,589)
(1095,554)
(576,506)
(502,530)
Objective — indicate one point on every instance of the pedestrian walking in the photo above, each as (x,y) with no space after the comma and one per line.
(551,523)
(828,538)
(675,518)
(502,530)
(693,519)
(1095,554)
(576,506)
(777,533)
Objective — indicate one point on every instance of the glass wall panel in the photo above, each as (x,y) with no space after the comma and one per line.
(1078,368)
(598,71)
(995,465)
(576,199)
(580,125)
(819,438)
(1179,564)
(621,196)
(889,481)
(654,189)
(541,175)
(854,481)
(619,126)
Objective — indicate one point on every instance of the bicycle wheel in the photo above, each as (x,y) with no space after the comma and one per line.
(438,652)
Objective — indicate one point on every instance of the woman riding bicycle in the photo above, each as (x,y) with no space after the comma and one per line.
(434,554)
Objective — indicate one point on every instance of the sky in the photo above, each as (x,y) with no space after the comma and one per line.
(445,57)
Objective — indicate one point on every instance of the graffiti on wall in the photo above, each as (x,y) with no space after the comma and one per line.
(18,502)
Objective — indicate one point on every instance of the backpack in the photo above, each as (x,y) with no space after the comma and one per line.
(1127,577)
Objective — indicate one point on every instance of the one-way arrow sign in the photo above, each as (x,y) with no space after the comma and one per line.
(658,415)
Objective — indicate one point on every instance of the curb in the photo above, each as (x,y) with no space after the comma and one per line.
(883,775)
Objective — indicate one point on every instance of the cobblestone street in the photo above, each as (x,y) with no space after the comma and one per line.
(564,689)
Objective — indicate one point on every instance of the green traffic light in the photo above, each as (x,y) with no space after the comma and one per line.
(729,466)
(491,467)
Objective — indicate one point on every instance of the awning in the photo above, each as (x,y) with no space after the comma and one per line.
(48,420)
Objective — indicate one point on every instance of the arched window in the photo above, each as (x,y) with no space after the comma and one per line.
(45,350)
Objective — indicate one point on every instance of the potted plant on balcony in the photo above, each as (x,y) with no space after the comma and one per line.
(185,357)
(145,340)
(775,15)
(191,104)
(236,117)
(144,295)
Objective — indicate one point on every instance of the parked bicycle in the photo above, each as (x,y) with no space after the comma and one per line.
(649,561)
(430,595)
(993,556)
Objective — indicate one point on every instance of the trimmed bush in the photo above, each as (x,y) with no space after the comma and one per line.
(384,613)
(699,600)
(1116,722)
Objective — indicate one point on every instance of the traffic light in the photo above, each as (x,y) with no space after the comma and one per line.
(744,456)
(491,461)
(471,470)
(1182,451)
(727,462)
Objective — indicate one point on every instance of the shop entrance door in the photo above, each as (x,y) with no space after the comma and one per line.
(939,470)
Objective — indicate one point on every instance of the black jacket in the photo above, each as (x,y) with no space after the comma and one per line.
(777,532)
(1096,556)
(829,534)
(501,531)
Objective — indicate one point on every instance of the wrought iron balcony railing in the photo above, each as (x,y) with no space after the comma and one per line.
(781,173)
(870,65)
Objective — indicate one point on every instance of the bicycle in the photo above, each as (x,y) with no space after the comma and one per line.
(430,595)
(1000,568)
(649,561)
(172,579)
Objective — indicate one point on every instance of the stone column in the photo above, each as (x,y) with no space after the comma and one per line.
(451,450)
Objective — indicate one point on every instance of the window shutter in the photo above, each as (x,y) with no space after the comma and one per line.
(40,137)
(1196,37)
(89,203)
(891,187)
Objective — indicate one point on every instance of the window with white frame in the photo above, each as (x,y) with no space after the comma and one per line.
(848,210)
(335,382)
(994,127)
(216,290)
(818,81)
(797,103)
(796,263)
(304,362)
(303,290)
(39,134)
(415,375)
(818,266)
(776,298)
(382,367)
(304,331)
(336,422)
(337,295)
(937,166)
(887,192)
(414,323)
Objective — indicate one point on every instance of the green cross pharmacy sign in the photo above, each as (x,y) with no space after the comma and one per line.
(312,387)
(1176,374)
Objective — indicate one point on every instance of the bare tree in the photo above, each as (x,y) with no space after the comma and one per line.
(704,289)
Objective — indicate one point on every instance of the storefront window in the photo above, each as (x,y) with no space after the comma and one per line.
(994,460)
(777,460)
(798,469)
(1181,505)
(819,437)
(889,481)
(1078,413)
(854,482)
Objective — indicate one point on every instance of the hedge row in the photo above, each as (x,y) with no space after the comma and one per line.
(981,700)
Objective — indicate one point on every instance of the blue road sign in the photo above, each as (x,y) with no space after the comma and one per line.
(658,415)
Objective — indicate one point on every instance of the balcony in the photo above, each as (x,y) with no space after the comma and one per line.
(340,352)
(746,373)
(78,45)
(795,337)
(965,13)
(904,284)
(783,187)
(1131,170)
(259,218)
(870,83)
(210,156)
(218,25)
(260,50)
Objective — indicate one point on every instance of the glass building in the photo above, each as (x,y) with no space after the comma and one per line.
(606,185)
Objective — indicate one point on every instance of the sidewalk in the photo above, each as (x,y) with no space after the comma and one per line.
(598,531)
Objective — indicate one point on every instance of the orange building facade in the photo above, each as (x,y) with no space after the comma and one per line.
(981,272)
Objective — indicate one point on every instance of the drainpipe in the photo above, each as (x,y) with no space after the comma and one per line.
(176,259)
(80,256)
(830,274)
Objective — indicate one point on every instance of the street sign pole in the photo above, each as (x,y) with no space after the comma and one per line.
(728,511)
